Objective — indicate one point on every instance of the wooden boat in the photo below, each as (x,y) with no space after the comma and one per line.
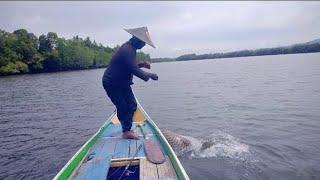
(107,156)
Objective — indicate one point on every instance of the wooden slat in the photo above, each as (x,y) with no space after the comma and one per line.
(98,166)
(114,130)
(122,162)
(122,149)
(166,171)
(141,152)
(133,148)
(148,171)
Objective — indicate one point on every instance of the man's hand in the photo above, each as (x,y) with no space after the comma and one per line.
(145,64)
(154,76)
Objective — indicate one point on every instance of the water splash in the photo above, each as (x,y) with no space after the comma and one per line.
(217,144)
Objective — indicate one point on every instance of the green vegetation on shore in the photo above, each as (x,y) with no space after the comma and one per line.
(155,60)
(309,47)
(23,52)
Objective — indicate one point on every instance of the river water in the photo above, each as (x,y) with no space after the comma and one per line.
(261,113)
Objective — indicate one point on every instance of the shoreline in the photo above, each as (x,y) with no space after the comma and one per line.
(173,60)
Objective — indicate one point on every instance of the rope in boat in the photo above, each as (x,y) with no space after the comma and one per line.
(131,160)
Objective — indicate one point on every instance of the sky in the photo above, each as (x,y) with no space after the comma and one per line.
(175,27)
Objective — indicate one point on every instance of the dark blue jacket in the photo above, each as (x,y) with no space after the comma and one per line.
(122,67)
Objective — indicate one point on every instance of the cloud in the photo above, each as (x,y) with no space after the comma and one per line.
(176,27)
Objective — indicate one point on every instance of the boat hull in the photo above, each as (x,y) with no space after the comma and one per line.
(106,150)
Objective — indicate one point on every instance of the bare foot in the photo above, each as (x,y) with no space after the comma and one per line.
(130,135)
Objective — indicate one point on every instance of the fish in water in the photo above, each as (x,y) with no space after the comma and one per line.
(179,143)
(183,144)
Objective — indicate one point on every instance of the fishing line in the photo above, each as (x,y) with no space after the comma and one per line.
(131,161)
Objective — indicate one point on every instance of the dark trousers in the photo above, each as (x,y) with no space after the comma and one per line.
(123,99)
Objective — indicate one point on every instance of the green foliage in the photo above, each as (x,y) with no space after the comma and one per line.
(22,52)
(187,57)
(155,60)
(26,45)
(7,49)
(299,48)
(48,42)
(75,55)
(51,62)
(101,58)
(143,57)
(14,68)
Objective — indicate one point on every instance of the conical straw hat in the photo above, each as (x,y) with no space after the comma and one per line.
(142,34)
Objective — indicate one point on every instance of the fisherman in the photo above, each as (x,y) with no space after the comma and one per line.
(118,76)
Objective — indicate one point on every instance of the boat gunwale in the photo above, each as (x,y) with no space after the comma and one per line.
(180,171)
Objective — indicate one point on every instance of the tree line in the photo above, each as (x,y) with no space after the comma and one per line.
(23,52)
(299,48)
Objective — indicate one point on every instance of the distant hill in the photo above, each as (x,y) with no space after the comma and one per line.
(314,41)
(162,59)
(308,47)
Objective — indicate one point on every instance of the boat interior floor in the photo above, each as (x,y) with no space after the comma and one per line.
(111,154)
